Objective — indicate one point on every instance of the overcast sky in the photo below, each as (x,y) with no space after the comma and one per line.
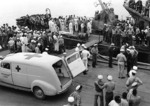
(12,9)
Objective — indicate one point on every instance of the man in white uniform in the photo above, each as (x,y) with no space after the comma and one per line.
(85,55)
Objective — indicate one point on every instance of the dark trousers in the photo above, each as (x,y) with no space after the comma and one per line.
(110,61)
(109,97)
(94,60)
(129,66)
(96,98)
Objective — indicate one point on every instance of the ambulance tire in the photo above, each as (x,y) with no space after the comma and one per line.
(38,93)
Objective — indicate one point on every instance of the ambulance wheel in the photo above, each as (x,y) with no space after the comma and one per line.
(38,93)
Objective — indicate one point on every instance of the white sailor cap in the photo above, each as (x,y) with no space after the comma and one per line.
(78,87)
(78,44)
(46,49)
(135,68)
(100,76)
(70,99)
(95,44)
(122,50)
(38,44)
(112,44)
(32,41)
(109,77)
(83,45)
(64,53)
(134,84)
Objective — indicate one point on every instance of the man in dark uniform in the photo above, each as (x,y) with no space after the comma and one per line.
(110,51)
(94,52)
(129,61)
(139,6)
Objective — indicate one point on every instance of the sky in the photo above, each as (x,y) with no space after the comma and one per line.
(10,10)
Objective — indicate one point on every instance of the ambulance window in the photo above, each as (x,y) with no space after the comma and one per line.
(6,65)
(72,58)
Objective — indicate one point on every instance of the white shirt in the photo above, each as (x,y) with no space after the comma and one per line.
(85,54)
(113,103)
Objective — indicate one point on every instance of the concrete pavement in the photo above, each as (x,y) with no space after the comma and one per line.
(88,86)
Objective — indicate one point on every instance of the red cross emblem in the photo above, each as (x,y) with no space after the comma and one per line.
(29,56)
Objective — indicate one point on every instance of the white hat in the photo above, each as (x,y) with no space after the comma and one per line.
(46,49)
(109,77)
(112,44)
(128,49)
(122,50)
(78,44)
(38,44)
(134,84)
(64,53)
(95,44)
(83,45)
(32,41)
(70,99)
(78,87)
(100,76)
(135,68)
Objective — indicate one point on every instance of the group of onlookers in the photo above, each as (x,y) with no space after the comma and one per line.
(138,6)
(124,32)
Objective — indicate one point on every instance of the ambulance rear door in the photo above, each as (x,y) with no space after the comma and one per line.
(75,64)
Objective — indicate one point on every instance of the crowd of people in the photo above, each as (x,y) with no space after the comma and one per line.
(23,39)
(126,32)
(129,97)
(140,7)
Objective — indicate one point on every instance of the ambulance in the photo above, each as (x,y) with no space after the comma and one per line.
(42,74)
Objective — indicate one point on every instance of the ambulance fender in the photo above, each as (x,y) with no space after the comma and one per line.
(47,88)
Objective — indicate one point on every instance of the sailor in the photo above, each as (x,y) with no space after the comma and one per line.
(78,48)
(99,91)
(71,28)
(121,63)
(76,95)
(109,88)
(37,48)
(45,52)
(111,51)
(132,78)
(94,52)
(70,101)
(85,55)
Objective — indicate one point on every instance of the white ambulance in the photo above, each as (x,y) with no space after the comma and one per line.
(43,74)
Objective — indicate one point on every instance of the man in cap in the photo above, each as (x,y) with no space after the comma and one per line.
(85,55)
(94,52)
(111,51)
(109,88)
(121,63)
(133,78)
(70,101)
(78,48)
(76,95)
(99,91)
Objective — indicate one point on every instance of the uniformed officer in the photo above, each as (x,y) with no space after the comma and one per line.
(99,91)
(111,51)
(85,54)
(94,52)
(109,88)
